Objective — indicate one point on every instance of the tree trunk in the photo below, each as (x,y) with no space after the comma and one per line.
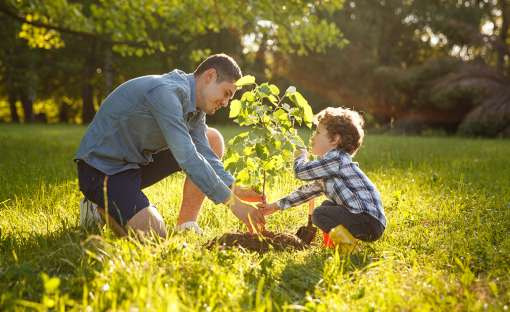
(27,102)
(108,69)
(12,107)
(63,112)
(88,103)
(88,111)
(260,60)
(502,50)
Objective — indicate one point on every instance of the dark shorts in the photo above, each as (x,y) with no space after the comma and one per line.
(124,189)
(362,226)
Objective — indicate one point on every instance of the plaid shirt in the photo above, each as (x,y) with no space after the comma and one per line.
(340,179)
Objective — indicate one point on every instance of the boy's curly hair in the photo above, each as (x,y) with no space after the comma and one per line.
(344,122)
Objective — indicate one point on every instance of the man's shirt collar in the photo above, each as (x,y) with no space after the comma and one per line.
(192,86)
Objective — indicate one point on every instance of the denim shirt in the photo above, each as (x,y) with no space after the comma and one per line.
(149,114)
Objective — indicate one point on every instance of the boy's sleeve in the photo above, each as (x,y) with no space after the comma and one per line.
(315,169)
(166,108)
(301,195)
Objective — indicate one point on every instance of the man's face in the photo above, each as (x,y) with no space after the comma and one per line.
(217,95)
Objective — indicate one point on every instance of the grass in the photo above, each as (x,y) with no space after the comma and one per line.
(446,247)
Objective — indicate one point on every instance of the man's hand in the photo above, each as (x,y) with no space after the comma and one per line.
(248,194)
(248,214)
(267,209)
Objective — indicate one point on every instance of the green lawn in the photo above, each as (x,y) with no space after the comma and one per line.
(447,245)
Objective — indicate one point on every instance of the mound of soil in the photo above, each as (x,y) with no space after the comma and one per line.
(258,242)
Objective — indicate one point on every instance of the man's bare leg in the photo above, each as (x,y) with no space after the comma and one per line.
(147,220)
(117,228)
(192,196)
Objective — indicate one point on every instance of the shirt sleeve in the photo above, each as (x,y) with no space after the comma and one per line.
(199,137)
(165,105)
(301,195)
(315,169)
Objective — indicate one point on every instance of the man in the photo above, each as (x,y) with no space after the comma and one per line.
(150,127)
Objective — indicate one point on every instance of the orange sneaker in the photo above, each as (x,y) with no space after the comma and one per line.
(327,242)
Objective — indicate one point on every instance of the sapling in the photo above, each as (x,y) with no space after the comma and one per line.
(257,156)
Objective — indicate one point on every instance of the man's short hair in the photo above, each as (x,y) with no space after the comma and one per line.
(344,122)
(226,67)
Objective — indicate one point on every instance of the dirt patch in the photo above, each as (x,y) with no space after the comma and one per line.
(258,242)
(307,233)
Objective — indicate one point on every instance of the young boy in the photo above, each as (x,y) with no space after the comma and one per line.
(353,200)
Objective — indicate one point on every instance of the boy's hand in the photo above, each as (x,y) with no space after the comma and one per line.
(267,209)
(248,194)
(300,151)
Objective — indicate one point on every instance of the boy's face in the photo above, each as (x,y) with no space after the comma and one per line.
(321,142)
(216,95)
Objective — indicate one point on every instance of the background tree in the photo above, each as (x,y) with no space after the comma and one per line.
(118,31)
(387,58)
(398,53)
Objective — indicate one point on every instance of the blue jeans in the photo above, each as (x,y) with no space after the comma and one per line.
(362,226)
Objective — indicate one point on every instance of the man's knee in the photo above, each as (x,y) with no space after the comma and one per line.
(216,141)
(147,220)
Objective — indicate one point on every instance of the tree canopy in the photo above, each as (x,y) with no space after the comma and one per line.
(388,58)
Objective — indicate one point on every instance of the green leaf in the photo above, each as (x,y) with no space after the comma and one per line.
(276,144)
(262,151)
(243,176)
(231,160)
(235,108)
(270,165)
(248,96)
(300,101)
(287,154)
(243,134)
(274,89)
(248,150)
(245,81)
(308,116)
(266,119)
(264,89)
(280,114)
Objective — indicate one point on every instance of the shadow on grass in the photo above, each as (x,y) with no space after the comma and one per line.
(23,260)
(300,278)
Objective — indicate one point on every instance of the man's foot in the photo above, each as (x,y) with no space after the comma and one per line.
(89,216)
(189,226)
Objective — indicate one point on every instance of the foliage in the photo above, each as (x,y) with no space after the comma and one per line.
(422,88)
(397,50)
(259,154)
(139,27)
(337,52)
(88,47)
(491,90)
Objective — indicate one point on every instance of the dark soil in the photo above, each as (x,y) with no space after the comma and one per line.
(258,242)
